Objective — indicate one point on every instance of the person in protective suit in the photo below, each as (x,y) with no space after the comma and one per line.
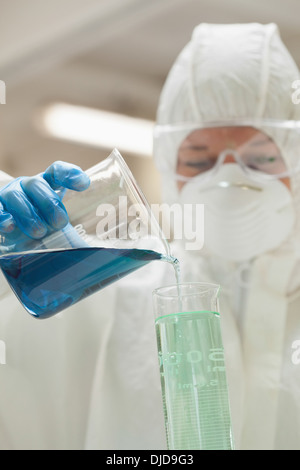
(227,137)
(88,378)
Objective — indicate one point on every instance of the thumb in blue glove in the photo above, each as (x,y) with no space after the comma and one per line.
(31,205)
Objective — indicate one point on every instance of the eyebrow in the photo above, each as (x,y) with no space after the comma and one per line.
(195,147)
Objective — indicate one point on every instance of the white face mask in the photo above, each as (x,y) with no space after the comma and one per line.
(242,218)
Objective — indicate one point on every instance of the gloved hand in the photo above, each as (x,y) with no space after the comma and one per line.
(31,205)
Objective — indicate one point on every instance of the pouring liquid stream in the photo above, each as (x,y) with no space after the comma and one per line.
(176,265)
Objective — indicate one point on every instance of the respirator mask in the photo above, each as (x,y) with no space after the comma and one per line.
(244,186)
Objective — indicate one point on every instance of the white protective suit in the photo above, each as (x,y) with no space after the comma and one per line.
(231,72)
(88,378)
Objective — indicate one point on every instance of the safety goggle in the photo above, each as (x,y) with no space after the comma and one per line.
(264,149)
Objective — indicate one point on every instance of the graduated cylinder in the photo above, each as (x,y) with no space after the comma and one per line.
(192,367)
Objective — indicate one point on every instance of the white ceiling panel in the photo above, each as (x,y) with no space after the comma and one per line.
(108,54)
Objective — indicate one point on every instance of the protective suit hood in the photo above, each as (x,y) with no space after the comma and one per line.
(227,72)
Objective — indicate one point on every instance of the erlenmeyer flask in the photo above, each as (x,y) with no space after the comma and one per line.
(111,233)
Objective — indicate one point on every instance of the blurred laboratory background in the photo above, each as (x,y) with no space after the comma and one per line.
(67,63)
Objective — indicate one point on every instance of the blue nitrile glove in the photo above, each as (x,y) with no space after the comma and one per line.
(31,206)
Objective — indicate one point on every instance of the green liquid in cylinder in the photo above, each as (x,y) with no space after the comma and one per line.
(193,377)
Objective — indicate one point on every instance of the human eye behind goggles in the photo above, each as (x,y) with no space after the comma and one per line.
(271,164)
(253,150)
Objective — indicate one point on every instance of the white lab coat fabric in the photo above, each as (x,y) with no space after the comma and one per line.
(230,72)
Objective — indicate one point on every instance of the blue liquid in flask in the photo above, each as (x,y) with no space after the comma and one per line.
(48,282)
